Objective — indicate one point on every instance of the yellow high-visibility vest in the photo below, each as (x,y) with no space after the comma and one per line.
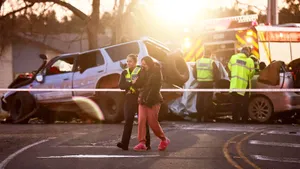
(131,76)
(204,70)
(242,70)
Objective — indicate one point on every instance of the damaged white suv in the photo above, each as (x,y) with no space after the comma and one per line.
(95,69)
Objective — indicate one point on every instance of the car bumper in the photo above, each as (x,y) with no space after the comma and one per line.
(295,101)
(284,101)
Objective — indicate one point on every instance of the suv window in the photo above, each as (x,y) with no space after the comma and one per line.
(89,60)
(118,53)
(63,65)
(156,51)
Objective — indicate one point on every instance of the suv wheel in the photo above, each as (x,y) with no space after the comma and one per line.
(22,107)
(260,109)
(112,106)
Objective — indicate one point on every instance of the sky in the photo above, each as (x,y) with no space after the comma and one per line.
(162,6)
(107,5)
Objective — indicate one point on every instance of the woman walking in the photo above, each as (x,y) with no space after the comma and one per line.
(150,100)
(129,76)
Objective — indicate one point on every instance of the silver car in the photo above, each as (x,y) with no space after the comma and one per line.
(262,105)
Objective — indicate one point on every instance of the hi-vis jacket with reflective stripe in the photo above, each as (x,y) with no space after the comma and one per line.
(242,71)
(204,70)
(131,76)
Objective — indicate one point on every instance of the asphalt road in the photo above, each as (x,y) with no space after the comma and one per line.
(205,146)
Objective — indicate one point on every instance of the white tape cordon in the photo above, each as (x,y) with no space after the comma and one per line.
(162,90)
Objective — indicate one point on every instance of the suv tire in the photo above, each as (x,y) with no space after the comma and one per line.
(112,106)
(22,107)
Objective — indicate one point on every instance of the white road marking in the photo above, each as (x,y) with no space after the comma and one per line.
(9,158)
(232,129)
(276,159)
(257,142)
(86,146)
(99,156)
(293,133)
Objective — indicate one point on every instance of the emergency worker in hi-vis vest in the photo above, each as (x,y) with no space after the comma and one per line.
(242,70)
(128,77)
(206,72)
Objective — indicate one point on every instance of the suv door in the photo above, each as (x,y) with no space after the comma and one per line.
(57,75)
(89,67)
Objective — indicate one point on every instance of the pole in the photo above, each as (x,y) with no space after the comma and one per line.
(274,12)
(269,12)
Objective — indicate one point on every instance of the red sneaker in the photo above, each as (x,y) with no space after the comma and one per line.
(163,145)
(140,147)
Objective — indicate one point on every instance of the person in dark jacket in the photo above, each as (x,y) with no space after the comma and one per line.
(150,100)
(131,101)
(206,73)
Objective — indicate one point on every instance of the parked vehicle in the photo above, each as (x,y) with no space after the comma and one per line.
(262,105)
(95,69)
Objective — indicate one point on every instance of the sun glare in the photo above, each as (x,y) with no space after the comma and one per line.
(185,11)
(178,11)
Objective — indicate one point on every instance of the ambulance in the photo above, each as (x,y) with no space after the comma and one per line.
(225,36)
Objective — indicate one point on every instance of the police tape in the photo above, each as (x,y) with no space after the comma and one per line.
(162,90)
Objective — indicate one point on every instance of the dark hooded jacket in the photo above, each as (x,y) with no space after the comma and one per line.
(149,83)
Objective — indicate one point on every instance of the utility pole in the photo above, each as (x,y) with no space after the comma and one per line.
(272,14)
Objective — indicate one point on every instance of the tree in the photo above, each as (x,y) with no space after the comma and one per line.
(291,13)
(92,22)
(117,31)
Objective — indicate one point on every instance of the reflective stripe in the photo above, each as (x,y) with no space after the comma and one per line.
(204,69)
(204,79)
(238,77)
(204,64)
(239,64)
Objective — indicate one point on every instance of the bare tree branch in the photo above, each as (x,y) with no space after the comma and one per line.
(92,22)
(76,11)
(91,28)
(18,10)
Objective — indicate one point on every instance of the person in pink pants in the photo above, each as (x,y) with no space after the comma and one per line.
(150,99)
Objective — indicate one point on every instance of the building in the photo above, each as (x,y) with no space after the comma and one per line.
(22,52)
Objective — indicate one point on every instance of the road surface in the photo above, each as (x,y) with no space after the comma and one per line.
(193,145)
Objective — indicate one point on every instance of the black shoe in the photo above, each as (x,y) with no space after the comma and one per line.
(148,147)
(122,146)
